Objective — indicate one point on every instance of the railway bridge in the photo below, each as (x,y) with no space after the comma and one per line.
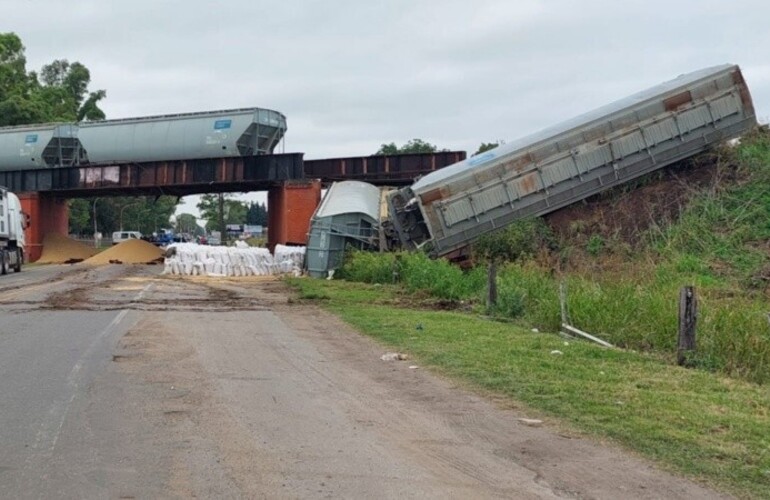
(292,183)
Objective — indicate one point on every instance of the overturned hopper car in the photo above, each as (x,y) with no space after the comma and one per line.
(448,209)
(209,134)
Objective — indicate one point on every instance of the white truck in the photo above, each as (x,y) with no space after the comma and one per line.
(12,223)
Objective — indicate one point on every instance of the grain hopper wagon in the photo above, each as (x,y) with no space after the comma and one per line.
(39,146)
(448,209)
(209,134)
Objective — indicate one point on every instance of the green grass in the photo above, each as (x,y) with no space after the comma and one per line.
(700,424)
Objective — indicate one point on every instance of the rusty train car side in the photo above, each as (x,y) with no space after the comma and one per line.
(446,210)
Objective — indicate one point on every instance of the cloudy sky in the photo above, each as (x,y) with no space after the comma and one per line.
(351,75)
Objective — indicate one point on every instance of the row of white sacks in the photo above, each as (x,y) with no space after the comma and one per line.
(191,259)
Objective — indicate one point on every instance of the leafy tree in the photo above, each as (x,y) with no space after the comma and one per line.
(411,147)
(59,93)
(80,217)
(188,223)
(17,104)
(65,86)
(144,213)
(486,146)
(233,211)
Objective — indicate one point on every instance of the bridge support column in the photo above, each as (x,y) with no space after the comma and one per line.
(290,205)
(47,214)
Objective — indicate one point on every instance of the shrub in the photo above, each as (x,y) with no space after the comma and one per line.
(518,240)
(595,245)
(439,277)
(368,267)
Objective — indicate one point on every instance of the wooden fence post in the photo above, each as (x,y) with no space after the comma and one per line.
(492,284)
(563,303)
(688,316)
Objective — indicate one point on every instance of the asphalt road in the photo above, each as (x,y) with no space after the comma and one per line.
(116,382)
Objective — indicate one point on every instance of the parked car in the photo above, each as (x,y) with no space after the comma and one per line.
(121,236)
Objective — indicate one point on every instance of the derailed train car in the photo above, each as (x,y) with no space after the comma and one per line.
(448,209)
(209,134)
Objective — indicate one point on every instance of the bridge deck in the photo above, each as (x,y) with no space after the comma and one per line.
(233,174)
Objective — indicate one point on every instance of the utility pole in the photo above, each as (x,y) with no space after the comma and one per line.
(222,228)
(96,240)
(121,212)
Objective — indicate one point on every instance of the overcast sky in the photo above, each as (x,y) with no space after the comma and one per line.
(351,75)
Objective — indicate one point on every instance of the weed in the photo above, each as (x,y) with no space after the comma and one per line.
(595,245)
(368,267)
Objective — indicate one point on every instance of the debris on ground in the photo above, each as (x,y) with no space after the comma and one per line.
(532,422)
(556,352)
(128,252)
(59,249)
(393,356)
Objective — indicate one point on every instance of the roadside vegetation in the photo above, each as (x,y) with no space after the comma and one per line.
(710,422)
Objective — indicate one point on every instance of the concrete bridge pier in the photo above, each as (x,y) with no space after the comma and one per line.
(47,214)
(290,205)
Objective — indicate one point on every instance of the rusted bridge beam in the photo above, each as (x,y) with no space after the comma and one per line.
(232,174)
(176,178)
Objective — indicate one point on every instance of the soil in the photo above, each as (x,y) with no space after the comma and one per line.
(623,214)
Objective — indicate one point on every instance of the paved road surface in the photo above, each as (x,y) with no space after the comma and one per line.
(119,383)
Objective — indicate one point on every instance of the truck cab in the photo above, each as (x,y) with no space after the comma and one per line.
(12,224)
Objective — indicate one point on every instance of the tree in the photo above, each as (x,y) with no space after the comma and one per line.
(80,217)
(233,211)
(59,93)
(17,104)
(146,214)
(411,147)
(65,87)
(257,214)
(486,146)
(188,223)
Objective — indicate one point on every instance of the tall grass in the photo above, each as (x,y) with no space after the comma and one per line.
(440,278)
(369,267)
(416,272)
(640,312)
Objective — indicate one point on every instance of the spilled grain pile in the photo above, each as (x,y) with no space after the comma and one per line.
(59,249)
(128,252)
